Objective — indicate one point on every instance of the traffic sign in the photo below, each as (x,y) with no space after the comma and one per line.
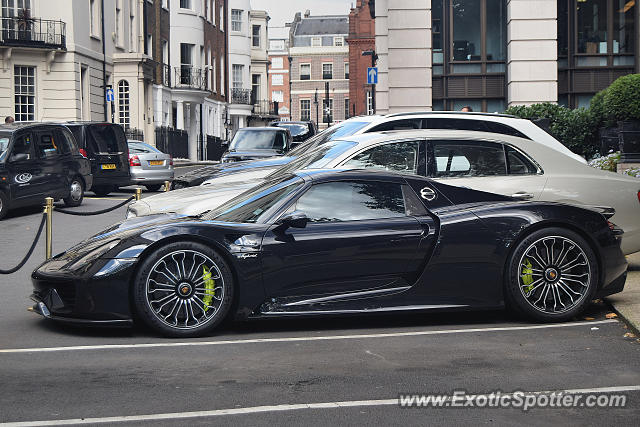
(372,75)
(110,95)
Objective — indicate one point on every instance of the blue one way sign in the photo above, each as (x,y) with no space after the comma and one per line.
(110,95)
(372,75)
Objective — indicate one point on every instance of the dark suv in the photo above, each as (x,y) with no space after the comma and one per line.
(105,144)
(300,131)
(258,143)
(38,161)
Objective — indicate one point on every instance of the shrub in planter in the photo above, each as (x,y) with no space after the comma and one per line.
(621,100)
(606,163)
(634,172)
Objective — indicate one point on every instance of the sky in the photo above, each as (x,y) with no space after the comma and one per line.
(282,11)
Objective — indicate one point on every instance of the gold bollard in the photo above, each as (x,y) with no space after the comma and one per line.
(48,209)
(138,193)
(167,186)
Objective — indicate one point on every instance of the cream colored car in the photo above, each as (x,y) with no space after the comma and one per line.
(496,163)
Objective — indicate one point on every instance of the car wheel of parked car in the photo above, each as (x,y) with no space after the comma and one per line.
(102,190)
(76,193)
(183,289)
(153,187)
(552,275)
(4,204)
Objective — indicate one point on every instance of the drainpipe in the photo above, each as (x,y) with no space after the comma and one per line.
(104,64)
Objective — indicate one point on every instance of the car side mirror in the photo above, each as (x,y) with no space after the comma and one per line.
(294,219)
(20,157)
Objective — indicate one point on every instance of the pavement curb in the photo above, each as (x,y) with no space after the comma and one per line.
(627,303)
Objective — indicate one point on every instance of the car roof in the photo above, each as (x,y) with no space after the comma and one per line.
(372,138)
(12,127)
(450,113)
(270,129)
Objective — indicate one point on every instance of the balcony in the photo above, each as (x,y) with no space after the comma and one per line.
(187,77)
(241,96)
(33,32)
(264,108)
(161,73)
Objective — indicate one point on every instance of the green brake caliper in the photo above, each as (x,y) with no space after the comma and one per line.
(209,287)
(527,275)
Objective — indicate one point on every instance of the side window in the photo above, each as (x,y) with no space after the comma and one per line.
(63,141)
(280,142)
(505,130)
(519,164)
(405,124)
(412,203)
(47,145)
(22,145)
(468,158)
(138,149)
(457,124)
(352,201)
(399,157)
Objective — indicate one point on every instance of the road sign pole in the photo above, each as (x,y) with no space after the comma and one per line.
(373,86)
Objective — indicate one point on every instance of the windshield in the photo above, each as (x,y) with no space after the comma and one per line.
(347,128)
(256,139)
(4,145)
(295,128)
(315,159)
(254,204)
(141,147)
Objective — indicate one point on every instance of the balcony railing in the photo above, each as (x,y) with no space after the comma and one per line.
(241,96)
(161,74)
(188,77)
(265,108)
(33,32)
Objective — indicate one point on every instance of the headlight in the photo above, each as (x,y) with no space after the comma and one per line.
(92,255)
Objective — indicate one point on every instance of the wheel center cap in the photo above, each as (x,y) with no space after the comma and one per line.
(551,274)
(184,289)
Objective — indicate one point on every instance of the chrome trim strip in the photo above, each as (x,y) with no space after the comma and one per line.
(371,310)
(349,295)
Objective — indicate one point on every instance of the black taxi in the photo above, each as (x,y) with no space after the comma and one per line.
(39,160)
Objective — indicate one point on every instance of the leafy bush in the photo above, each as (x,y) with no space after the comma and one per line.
(634,172)
(622,98)
(576,129)
(606,163)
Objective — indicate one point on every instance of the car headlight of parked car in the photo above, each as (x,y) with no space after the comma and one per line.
(93,255)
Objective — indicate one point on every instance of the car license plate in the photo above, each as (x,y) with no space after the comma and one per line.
(156,162)
(108,166)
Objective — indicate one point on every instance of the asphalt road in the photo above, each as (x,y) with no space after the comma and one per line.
(333,371)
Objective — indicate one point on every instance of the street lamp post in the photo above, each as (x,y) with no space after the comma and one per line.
(315,101)
(374,58)
(290,59)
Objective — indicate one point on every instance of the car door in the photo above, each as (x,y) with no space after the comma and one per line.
(485,166)
(361,237)
(53,179)
(25,173)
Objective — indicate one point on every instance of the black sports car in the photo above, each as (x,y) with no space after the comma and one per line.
(335,242)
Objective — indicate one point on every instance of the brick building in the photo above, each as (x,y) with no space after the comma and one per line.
(362,38)
(279,76)
(319,55)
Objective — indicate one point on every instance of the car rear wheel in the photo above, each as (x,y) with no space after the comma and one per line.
(4,204)
(552,275)
(183,289)
(102,190)
(153,187)
(76,193)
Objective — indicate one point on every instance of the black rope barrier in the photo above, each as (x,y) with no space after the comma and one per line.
(113,208)
(33,246)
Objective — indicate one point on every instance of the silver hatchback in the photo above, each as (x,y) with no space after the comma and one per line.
(149,166)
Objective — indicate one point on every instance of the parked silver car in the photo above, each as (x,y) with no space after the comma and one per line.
(490,162)
(149,166)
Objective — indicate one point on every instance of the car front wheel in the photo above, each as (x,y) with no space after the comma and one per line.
(183,289)
(552,275)
(76,193)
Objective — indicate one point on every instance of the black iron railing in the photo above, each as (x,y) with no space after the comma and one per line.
(190,78)
(33,32)
(241,96)
(265,108)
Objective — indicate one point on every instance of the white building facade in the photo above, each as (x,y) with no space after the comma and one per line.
(239,84)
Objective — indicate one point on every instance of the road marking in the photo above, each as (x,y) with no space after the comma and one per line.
(298,339)
(279,408)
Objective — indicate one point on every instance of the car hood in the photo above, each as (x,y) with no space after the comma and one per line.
(250,154)
(191,200)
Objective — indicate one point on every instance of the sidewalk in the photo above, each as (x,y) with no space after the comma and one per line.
(627,303)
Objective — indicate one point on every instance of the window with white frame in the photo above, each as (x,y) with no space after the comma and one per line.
(236,20)
(119,23)
(316,41)
(221,17)
(165,4)
(327,71)
(255,39)
(94,18)
(346,108)
(346,70)
(214,77)
(237,76)
(185,4)
(338,41)
(25,93)
(124,115)
(277,63)
(277,80)
(305,71)
(305,110)
(223,76)
(277,96)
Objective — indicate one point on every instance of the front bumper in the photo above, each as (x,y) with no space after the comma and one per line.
(82,298)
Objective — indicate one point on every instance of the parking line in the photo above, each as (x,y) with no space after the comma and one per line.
(299,339)
(280,408)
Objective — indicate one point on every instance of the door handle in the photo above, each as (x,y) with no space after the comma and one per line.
(522,195)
